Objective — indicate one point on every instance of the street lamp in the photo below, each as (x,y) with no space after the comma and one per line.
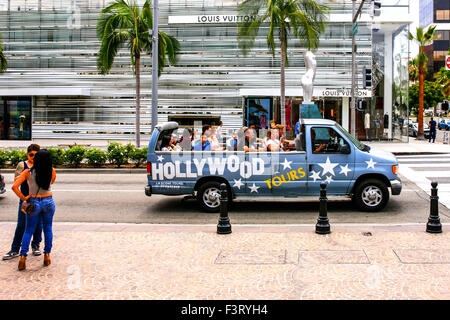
(155,65)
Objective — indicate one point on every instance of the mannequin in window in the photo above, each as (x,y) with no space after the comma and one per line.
(367,124)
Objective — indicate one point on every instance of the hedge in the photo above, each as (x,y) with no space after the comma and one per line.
(116,153)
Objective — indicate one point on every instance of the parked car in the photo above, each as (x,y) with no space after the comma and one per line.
(2,184)
(323,152)
(414,128)
(444,124)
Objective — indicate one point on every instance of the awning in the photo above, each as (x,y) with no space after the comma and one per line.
(50,91)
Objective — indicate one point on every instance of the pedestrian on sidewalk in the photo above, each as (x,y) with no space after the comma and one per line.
(432,125)
(40,178)
(20,228)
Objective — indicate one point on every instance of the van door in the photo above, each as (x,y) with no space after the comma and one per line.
(331,159)
(258,170)
(289,174)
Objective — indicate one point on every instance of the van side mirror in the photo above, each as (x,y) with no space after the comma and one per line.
(345,149)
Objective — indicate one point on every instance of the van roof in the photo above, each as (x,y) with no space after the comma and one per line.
(167,126)
(318,121)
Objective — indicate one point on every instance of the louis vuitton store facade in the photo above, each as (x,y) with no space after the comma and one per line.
(51,48)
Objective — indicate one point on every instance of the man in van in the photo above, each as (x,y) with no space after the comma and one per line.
(250,144)
(321,146)
(273,144)
(203,144)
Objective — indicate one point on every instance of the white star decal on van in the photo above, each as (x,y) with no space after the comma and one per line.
(328,167)
(286,164)
(370,164)
(345,169)
(160,158)
(315,175)
(238,183)
(254,188)
(329,179)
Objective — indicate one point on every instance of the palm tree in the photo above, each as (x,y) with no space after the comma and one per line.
(443,79)
(3,62)
(424,39)
(305,19)
(123,23)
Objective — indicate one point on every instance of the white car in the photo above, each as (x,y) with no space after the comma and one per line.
(2,185)
(414,128)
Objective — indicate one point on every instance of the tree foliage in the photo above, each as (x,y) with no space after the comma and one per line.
(432,95)
(3,61)
(123,24)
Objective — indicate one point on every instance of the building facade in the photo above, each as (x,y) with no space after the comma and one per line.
(52,88)
(436,12)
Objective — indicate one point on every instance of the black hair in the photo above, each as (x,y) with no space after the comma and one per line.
(205,128)
(33,147)
(43,167)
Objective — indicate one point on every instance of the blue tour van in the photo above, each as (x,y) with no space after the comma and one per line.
(322,152)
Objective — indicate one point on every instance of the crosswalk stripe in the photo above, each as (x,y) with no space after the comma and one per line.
(427,156)
(427,165)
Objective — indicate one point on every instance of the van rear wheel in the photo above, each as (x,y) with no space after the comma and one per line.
(371,195)
(208,196)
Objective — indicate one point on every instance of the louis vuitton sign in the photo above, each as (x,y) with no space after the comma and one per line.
(210,19)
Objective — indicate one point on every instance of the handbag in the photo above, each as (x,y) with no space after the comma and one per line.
(27,207)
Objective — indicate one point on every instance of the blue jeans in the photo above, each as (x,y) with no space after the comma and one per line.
(44,209)
(20,229)
(432,136)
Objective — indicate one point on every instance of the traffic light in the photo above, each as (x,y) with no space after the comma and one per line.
(444,105)
(367,77)
(375,8)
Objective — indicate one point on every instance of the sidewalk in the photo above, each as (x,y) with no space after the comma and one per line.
(131,261)
(412,147)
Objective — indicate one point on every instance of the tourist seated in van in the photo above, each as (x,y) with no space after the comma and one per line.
(251,142)
(213,140)
(236,142)
(187,140)
(203,144)
(174,143)
(321,146)
(165,144)
(274,145)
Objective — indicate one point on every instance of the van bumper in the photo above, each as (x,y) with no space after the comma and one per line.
(148,191)
(396,186)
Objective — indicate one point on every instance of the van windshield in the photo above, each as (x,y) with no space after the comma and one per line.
(357,144)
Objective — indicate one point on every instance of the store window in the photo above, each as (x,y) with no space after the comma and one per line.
(15,118)
(442,15)
(258,113)
(189,121)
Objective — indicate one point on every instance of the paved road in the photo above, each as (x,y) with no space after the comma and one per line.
(120,198)
(423,169)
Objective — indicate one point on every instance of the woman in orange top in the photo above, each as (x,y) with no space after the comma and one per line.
(40,178)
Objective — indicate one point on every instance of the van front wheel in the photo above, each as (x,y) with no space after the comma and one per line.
(371,195)
(208,196)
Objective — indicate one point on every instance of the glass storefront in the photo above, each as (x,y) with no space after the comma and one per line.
(15,118)
(54,54)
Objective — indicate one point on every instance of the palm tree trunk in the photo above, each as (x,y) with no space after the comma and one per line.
(138,101)
(420,114)
(283,83)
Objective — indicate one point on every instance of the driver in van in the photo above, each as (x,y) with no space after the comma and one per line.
(321,147)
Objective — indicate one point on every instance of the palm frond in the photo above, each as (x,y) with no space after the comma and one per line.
(3,61)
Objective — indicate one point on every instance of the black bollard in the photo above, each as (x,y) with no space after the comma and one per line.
(323,225)
(434,223)
(224,225)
